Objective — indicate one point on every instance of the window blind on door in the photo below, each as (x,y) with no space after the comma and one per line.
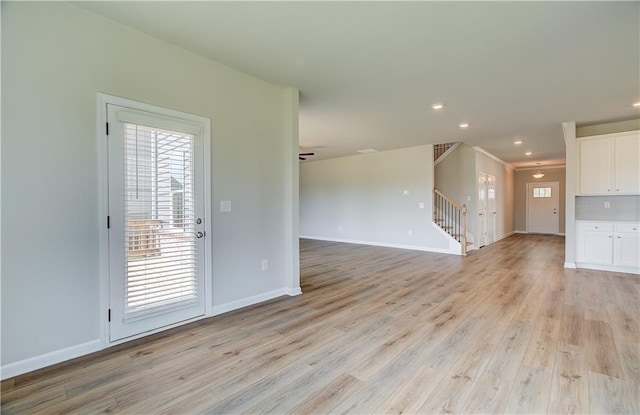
(160,241)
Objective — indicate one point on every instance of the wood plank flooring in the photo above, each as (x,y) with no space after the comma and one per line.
(378,330)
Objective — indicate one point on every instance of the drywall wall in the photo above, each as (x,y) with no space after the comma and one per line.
(56,57)
(455,176)
(371,198)
(522,177)
(504,191)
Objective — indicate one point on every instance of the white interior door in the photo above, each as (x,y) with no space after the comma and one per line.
(491,209)
(542,207)
(482,209)
(156,221)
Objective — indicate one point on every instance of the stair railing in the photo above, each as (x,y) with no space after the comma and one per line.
(440,149)
(451,217)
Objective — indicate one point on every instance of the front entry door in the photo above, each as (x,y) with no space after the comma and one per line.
(156,215)
(542,207)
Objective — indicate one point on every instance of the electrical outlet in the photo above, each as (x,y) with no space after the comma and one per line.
(420,205)
(265,264)
(340,227)
(409,232)
(607,205)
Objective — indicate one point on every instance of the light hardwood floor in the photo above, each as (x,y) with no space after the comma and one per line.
(378,330)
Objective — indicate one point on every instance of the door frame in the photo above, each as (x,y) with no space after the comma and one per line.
(481,239)
(526,200)
(103,209)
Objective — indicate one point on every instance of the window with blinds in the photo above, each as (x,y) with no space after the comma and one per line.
(159,221)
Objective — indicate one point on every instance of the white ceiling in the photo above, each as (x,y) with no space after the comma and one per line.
(368,72)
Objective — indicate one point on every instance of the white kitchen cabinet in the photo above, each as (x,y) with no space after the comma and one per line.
(610,164)
(626,245)
(626,167)
(610,246)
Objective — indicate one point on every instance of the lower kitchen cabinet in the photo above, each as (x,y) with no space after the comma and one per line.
(611,246)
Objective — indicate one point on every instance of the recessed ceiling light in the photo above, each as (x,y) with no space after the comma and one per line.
(437,106)
(517,142)
(636,104)
(528,153)
(463,125)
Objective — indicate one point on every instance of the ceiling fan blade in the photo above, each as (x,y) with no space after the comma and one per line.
(301,158)
(307,154)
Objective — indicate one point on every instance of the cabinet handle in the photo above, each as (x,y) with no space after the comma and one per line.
(596,227)
(618,237)
(610,236)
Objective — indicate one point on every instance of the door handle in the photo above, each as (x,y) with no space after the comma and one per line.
(199,235)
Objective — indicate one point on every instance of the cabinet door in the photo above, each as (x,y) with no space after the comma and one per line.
(596,171)
(627,249)
(594,247)
(627,164)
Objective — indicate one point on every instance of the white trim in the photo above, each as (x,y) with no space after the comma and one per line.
(570,265)
(486,153)
(103,209)
(611,268)
(256,299)
(558,166)
(506,235)
(292,292)
(51,358)
(446,153)
(103,206)
(572,161)
(292,173)
(383,244)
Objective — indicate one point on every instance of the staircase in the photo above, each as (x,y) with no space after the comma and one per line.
(451,218)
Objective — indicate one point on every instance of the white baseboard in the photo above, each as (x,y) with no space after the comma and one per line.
(571,265)
(38,362)
(294,291)
(245,302)
(525,232)
(52,358)
(610,268)
(383,244)
(506,235)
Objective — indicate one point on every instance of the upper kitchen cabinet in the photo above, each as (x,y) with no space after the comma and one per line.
(610,164)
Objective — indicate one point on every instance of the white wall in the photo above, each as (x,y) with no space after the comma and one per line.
(56,57)
(363,194)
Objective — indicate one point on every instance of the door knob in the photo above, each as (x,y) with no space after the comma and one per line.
(199,235)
